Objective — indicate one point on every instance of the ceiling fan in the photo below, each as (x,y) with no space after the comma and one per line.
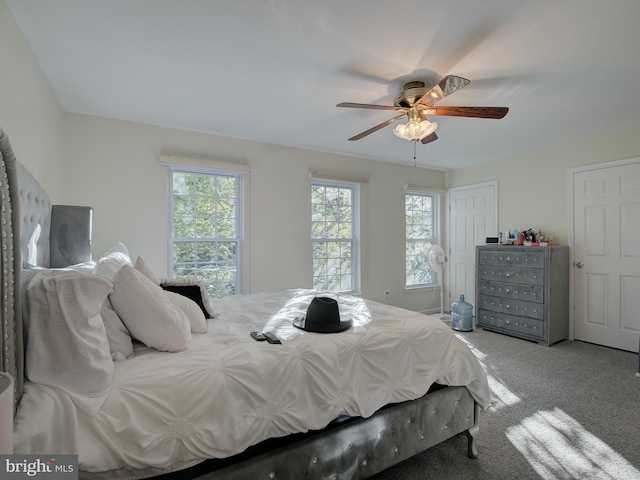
(416,102)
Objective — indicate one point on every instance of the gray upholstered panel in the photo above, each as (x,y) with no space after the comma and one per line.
(364,447)
(63,231)
(12,356)
(35,210)
(70,237)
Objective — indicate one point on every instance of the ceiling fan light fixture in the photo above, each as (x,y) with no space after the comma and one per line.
(415,131)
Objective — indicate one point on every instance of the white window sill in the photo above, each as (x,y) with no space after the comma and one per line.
(420,289)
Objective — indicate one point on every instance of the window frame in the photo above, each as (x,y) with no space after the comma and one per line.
(435,237)
(239,176)
(355,240)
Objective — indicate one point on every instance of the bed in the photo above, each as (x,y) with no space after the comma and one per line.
(202,398)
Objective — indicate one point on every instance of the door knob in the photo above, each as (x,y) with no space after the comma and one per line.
(580,265)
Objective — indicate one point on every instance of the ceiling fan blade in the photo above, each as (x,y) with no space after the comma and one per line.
(475,112)
(368,105)
(446,86)
(429,138)
(377,127)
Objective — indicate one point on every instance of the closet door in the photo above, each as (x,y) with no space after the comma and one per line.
(607,255)
(472,216)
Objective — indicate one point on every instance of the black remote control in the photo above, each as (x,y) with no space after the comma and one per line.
(271,337)
(259,336)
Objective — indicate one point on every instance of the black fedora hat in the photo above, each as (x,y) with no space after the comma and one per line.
(323,316)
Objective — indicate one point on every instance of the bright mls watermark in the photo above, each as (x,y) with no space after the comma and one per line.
(51,467)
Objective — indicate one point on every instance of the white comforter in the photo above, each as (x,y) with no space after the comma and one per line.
(227,391)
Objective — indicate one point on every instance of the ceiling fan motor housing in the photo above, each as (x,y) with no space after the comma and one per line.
(411,93)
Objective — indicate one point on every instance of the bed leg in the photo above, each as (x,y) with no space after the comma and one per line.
(472,451)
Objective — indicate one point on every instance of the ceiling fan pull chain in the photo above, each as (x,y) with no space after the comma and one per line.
(414,153)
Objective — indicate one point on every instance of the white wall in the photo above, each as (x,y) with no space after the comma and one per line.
(113,166)
(533,188)
(29,112)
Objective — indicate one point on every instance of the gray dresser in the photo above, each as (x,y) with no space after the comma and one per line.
(523,291)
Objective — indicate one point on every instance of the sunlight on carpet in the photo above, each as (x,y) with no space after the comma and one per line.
(501,396)
(558,447)
(481,356)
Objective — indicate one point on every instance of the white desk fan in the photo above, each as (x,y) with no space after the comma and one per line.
(436,258)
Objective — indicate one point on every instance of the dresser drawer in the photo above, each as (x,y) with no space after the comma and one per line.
(511,323)
(511,306)
(513,258)
(528,293)
(531,276)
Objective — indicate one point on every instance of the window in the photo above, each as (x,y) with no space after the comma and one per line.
(420,235)
(334,230)
(206,226)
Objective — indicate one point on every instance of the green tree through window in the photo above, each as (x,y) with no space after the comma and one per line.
(419,237)
(333,235)
(204,229)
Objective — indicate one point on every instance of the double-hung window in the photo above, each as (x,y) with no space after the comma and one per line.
(206,227)
(334,235)
(420,234)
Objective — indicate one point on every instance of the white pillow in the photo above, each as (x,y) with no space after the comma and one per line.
(111,261)
(120,344)
(191,309)
(67,344)
(148,313)
(84,267)
(142,267)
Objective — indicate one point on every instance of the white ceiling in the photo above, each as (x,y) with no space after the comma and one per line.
(273,70)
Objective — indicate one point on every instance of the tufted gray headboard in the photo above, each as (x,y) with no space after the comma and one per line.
(51,235)
(11,346)
(33,232)
(35,219)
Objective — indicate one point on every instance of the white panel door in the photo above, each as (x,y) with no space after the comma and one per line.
(472,217)
(607,256)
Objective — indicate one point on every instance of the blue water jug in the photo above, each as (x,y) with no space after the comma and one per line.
(462,313)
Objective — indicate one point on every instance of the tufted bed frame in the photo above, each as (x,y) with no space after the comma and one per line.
(354,448)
